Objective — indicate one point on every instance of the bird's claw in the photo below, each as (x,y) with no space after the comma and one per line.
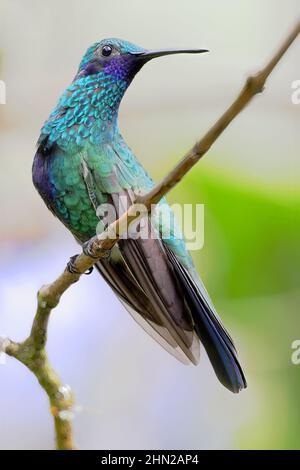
(72,268)
(87,250)
(71,265)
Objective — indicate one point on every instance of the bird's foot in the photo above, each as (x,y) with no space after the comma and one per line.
(88,251)
(71,265)
(72,268)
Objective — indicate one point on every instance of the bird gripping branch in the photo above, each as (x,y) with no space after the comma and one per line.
(83,166)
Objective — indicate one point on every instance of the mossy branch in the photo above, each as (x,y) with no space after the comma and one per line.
(32,352)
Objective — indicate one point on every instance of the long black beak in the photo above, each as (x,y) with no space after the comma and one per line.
(148,55)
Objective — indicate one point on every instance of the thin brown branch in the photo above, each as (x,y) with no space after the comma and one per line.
(32,351)
(254,85)
(33,355)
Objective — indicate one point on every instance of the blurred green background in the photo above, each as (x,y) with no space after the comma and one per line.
(251,261)
(130,393)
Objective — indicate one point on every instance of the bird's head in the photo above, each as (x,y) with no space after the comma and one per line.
(121,59)
(89,106)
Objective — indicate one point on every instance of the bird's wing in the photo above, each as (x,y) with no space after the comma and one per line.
(164,273)
(142,277)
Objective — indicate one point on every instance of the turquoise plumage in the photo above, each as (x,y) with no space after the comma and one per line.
(82,164)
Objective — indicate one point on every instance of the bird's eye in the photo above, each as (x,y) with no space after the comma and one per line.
(106,50)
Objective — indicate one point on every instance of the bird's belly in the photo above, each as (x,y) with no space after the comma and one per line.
(71,200)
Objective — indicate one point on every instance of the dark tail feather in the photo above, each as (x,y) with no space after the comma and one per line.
(223,358)
(212,334)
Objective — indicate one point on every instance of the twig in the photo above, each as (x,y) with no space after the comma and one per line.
(254,85)
(32,351)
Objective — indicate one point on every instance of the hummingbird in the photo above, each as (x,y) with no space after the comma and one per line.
(82,164)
